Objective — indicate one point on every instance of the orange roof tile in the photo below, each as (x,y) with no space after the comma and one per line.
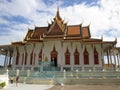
(39,31)
(73,30)
(85,32)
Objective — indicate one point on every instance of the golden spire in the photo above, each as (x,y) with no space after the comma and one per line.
(57,5)
(57,17)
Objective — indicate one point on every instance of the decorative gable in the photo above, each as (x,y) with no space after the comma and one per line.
(55,30)
(57,27)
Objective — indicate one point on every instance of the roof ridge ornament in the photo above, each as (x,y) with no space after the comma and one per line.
(57,17)
(57,5)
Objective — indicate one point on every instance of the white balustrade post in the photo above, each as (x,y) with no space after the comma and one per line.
(64,73)
(77,73)
(83,69)
(90,74)
(7,71)
(28,73)
(17,72)
(61,68)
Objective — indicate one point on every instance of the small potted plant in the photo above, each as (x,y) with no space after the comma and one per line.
(2,84)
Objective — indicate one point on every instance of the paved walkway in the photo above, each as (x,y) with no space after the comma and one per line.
(86,87)
(27,87)
(59,87)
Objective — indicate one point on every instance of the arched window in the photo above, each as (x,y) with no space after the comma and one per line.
(96,61)
(17,56)
(67,57)
(86,57)
(54,55)
(40,55)
(76,57)
(34,58)
(31,57)
(25,58)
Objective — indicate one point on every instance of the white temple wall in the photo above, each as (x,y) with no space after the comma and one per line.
(37,50)
(61,47)
(48,46)
(78,46)
(81,50)
(21,50)
(29,49)
(91,59)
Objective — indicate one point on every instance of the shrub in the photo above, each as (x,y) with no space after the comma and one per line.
(2,84)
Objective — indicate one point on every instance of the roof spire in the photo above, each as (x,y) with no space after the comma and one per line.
(57,17)
(58,5)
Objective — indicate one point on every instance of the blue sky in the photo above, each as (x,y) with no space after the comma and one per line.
(16,16)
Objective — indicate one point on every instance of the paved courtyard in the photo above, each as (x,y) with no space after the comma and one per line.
(58,87)
(86,87)
(27,87)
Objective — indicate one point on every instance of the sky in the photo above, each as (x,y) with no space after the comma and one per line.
(17,16)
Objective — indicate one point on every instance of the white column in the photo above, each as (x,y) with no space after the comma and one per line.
(111,59)
(92,49)
(102,58)
(6,59)
(42,56)
(82,55)
(108,58)
(23,58)
(72,57)
(62,56)
(114,57)
(14,59)
(118,60)
(33,58)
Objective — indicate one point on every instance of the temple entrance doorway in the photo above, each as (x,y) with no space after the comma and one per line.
(54,55)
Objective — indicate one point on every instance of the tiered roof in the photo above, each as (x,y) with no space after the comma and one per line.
(58,29)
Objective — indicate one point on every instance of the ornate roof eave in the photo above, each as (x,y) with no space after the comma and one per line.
(88,42)
(34,40)
(91,39)
(20,43)
(72,38)
(3,48)
(53,37)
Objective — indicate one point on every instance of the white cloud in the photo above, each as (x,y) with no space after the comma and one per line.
(102,18)
(2,21)
(12,36)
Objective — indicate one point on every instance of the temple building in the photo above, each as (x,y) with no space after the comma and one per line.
(70,47)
